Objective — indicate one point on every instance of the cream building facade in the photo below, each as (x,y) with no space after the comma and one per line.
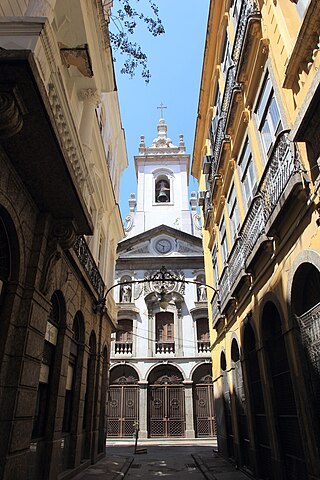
(62,153)
(256,156)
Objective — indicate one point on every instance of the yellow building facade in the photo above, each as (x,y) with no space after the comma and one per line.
(256,157)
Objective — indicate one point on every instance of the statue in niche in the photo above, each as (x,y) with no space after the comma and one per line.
(202,293)
(125,293)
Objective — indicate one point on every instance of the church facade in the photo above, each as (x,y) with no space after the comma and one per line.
(160,377)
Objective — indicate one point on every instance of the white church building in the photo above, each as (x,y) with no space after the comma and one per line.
(160,376)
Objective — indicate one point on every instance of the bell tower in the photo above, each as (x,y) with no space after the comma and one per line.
(162,171)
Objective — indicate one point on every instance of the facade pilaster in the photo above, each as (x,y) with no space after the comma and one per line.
(143,397)
(188,400)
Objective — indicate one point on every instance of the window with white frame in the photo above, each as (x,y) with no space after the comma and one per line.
(233,211)
(268,115)
(225,61)
(223,240)
(247,173)
(215,266)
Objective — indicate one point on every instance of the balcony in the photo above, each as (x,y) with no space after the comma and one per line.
(220,135)
(88,263)
(280,182)
(249,11)
(123,348)
(166,348)
(203,346)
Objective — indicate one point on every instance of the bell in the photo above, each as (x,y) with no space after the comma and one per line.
(163,197)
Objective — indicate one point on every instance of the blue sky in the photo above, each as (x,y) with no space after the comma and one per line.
(175,62)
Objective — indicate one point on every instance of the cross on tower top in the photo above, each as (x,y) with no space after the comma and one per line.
(162,107)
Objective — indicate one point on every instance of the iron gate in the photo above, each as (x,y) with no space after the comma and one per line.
(205,421)
(123,410)
(166,411)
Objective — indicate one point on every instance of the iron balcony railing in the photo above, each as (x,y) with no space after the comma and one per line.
(248,9)
(283,163)
(123,348)
(215,305)
(88,263)
(220,131)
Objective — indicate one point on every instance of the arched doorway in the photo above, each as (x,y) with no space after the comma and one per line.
(285,409)
(166,406)
(306,308)
(226,401)
(9,267)
(123,402)
(262,441)
(203,401)
(240,402)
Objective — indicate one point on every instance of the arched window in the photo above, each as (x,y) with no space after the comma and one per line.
(162,193)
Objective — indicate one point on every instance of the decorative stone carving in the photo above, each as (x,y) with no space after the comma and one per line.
(11,111)
(65,234)
(91,95)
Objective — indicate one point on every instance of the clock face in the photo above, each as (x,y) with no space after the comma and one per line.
(163,246)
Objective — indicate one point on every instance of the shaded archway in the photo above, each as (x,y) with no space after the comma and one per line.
(226,402)
(240,404)
(89,396)
(9,273)
(166,404)
(72,392)
(258,414)
(305,298)
(123,401)
(203,401)
(283,399)
(102,417)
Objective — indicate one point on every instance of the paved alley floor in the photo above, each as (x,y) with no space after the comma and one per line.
(168,461)
(192,460)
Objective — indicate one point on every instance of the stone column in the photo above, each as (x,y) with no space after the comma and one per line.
(188,399)
(143,408)
(91,99)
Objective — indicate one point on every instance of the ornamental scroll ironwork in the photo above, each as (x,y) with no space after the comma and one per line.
(168,380)
(163,279)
